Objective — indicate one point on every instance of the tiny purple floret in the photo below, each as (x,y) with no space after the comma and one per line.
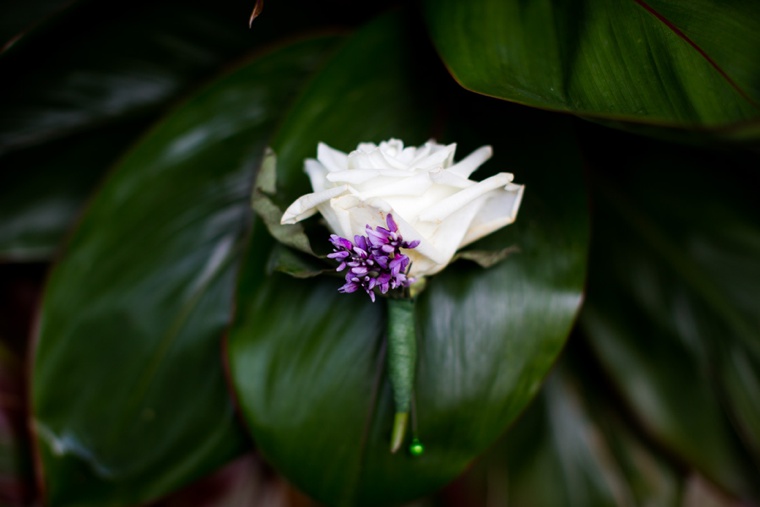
(374,260)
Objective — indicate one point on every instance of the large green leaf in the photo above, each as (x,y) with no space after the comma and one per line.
(673,294)
(678,63)
(307,362)
(128,394)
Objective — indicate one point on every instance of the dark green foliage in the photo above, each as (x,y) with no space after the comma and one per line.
(171,337)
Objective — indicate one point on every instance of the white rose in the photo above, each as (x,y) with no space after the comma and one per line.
(431,198)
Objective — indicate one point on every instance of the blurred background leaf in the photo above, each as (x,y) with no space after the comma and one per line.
(567,450)
(245,482)
(307,362)
(16,484)
(577,445)
(18,17)
(94,88)
(672,316)
(672,308)
(143,293)
(43,190)
(97,82)
(99,73)
(20,288)
(679,63)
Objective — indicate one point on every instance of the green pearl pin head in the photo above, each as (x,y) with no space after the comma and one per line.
(416,448)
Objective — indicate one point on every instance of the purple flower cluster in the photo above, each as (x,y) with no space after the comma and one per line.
(374,260)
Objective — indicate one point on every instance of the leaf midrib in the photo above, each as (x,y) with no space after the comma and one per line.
(681,35)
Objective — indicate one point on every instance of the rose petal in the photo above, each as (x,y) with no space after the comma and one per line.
(408,154)
(350,215)
(393,146)
(394,159)
(471,162)
(415,185)
(411,206)
(365,147)
(498,210)
(363,160)
(436,159)
(317,174)
(428,149)
(353,176)
(449,205)
(306,205)
(426,257)
(446,177)
(332,159)
(448,236)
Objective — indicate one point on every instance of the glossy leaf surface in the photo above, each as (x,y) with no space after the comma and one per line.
(307,362)
(106,72)
(42,190)
(672,307)
(129,400)
(678,63)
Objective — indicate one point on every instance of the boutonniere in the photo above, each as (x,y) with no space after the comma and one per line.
(398,215)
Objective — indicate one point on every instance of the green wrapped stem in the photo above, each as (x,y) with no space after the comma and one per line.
(402,358)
